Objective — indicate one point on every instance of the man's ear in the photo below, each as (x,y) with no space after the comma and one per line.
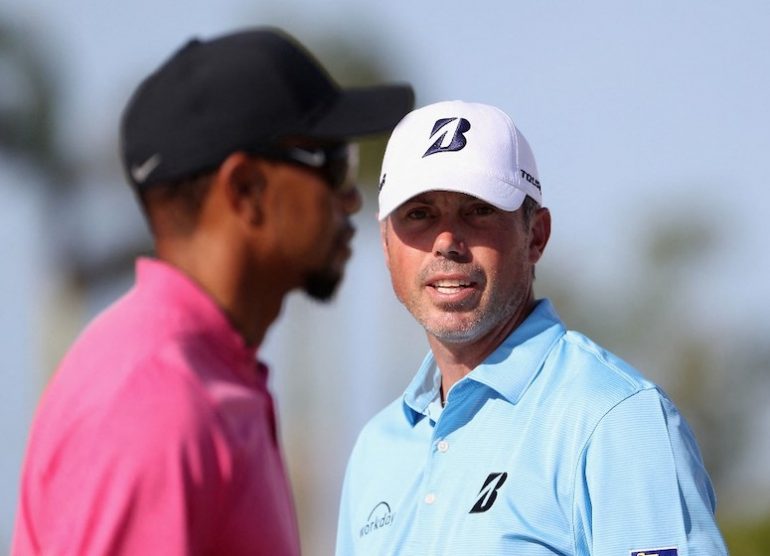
(384,241)
(540,232)
(242,179)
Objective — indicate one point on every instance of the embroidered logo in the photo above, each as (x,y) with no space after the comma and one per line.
(444,142)
(671,551)
(488,493)
(531,179)
(379,517)
(140,172)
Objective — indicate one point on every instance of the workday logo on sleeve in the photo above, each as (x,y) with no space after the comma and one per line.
(448,135)
(380,517)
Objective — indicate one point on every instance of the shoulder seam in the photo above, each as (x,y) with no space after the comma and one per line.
(599,356)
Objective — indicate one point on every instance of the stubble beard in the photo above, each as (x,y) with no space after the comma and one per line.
(321,285)
(457,323)
(454,327)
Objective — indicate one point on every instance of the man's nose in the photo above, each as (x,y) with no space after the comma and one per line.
(350,200)
(450,244)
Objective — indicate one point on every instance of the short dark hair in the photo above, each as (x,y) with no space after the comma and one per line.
(528,209)
(184,197)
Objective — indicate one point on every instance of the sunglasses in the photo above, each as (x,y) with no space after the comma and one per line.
(337,164)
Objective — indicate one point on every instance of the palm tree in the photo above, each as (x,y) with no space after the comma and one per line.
(27,103)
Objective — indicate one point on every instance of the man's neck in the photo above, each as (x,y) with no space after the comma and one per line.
(250,300)
(456,359)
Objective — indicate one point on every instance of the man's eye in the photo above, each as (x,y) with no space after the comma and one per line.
(482,210)
(417,214)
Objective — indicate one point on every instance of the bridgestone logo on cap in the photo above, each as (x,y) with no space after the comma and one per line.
(458,137)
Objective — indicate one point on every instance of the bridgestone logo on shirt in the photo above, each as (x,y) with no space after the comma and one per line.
(488,493)
(379,517)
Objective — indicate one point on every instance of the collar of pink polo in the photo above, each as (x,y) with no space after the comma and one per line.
(192,312)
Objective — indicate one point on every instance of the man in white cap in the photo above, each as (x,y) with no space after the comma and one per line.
(516,436)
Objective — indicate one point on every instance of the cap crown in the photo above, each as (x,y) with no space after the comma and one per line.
(458,146)
(243,91)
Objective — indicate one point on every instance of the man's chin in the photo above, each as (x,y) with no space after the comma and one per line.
(455,327)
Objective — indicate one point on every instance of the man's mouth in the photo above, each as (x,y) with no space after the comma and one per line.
(447,286)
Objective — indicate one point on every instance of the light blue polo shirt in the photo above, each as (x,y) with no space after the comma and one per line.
(551,446)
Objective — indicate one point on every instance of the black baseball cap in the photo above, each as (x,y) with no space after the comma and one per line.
(243,91)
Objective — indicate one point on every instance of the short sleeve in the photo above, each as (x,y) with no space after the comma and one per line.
(641,484)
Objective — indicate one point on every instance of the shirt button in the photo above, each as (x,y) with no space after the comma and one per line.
(443,446)
(430,498)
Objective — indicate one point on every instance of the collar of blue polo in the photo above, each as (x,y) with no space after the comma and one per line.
(509,370)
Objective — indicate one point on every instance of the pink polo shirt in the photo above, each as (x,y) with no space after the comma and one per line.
(156,436)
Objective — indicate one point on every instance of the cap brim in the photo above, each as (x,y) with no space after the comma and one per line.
(365,111)
(496,192)
(509,201)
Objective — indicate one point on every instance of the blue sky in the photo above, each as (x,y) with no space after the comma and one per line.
(632,110)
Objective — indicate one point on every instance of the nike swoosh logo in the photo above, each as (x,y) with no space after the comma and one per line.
(140,172)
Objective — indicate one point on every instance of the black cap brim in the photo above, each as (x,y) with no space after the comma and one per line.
(358,112)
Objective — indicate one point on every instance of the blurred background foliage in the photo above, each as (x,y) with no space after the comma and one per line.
(716,375)
(28,100)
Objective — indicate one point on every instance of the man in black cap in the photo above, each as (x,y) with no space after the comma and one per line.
(157,434)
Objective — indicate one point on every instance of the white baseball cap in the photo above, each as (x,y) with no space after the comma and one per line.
(458,146)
